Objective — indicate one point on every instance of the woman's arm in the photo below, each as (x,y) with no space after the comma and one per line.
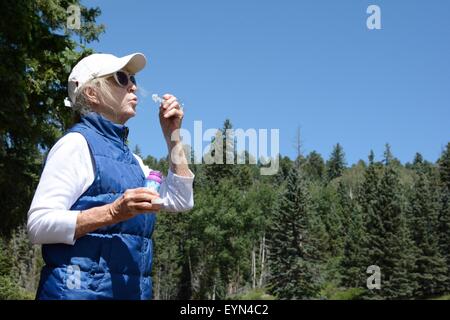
(67,174)
(92,219)
(177,159)
(132,202)
(170,118)
(176,190)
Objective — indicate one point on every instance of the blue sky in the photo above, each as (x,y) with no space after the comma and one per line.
(289,63)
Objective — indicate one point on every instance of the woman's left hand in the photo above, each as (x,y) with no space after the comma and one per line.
(170,116)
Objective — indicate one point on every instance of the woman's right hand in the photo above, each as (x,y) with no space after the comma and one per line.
(132,203)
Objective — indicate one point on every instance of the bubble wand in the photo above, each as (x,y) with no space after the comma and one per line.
(158,99)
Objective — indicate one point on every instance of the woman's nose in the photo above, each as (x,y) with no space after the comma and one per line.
(132,88)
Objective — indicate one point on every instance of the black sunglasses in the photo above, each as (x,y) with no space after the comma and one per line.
(122,77)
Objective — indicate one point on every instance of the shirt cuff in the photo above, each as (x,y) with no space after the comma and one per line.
(71,227)
(65,225)
(171,175)
(178,192)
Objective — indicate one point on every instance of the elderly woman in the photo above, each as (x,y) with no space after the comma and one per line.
(91,211)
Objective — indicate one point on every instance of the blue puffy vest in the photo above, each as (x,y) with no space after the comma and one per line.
(113,262)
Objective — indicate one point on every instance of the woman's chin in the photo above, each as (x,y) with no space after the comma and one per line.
(132,109)
(127,115)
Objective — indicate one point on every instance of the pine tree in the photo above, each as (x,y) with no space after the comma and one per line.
(444,167)
(36,53)
(388,156)
(444,211)
(389,245)
(444,231)
(387,241)
(431,269)
(293,274)
(420,165)
(336,164)
(222,156)
(370,234)
(344,201)
(352,262)
(314,167)
(327,208)
(417,164)
(244,173)
(283,172)
(367,199)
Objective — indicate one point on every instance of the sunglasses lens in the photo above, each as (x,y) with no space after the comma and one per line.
(122,78)
(133,80)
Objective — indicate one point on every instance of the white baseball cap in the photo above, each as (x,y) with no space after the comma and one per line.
(98,65)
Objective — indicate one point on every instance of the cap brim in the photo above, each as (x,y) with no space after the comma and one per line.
(133,63)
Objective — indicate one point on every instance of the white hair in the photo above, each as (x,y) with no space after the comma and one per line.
(101,86)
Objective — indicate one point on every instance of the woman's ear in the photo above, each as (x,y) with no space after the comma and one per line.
(92,96)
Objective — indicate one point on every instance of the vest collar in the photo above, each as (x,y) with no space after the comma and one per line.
(107,128)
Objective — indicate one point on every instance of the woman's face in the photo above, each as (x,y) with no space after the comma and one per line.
(121,104)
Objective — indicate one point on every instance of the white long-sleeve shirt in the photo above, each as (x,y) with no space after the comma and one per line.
(67,174)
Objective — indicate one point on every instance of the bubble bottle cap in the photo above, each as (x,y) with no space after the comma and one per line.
(155,175)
